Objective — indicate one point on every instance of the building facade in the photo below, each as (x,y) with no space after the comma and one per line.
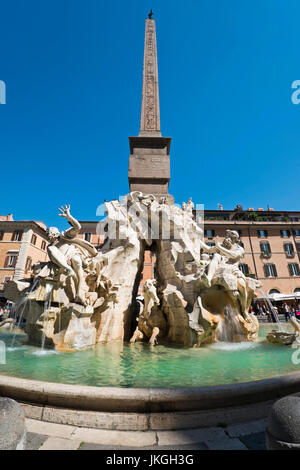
(271,240)
(22,243)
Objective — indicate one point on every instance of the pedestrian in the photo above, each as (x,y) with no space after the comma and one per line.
(286,311)
(260,310)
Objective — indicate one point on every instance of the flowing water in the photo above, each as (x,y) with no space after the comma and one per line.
(229,329)
(139,365)
(20,309)
(47,305)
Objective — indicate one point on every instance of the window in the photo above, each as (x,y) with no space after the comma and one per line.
(16,236)
(88,236)
(43,245)
(270,270)
(265,249)
(209,233)
(244,268)
(294,219)
(210,244)
(33,239)
(1,235)
(297,290)
(10,261)
(274,291)
(298,247)
(294,269)
(289,250)
(285,233)
(262,233)
(296,233)
(28,264)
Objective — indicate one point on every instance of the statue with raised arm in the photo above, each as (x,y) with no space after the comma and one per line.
(224,270)
(70,253)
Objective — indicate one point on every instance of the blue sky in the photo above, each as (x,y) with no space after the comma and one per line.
(73,72)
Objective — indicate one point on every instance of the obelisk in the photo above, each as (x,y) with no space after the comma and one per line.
(149,161)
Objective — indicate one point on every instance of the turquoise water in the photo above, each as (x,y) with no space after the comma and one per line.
(140,365)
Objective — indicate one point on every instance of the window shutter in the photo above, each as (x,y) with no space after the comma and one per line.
(290,269)
(6,261)
(275,270)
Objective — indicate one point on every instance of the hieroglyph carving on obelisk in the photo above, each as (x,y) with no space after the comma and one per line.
(150,118)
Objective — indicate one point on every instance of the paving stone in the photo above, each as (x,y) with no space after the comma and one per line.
(34,441)
(189,436)
(236,430)
(135,439)
(49,429)
(58,443)
(255,441)
(225,443)
(196,446)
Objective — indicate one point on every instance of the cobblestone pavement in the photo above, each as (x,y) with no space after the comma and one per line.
(49,436)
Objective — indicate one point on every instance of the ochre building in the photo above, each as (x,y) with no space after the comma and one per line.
(22,243)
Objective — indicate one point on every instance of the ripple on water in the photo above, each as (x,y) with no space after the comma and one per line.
(233,346)
(15,348)
(43,352)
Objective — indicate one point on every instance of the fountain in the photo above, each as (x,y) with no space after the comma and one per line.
(82,297)
(191,334)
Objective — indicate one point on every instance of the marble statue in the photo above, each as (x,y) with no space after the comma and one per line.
(69,252)
(224,269)
(83,296)
(188,206)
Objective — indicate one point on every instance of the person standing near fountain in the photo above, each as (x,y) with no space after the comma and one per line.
(286,311)
(69,252)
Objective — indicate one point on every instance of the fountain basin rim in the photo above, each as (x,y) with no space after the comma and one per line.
(139,400)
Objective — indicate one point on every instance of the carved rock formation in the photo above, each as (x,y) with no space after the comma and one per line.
(83,297)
